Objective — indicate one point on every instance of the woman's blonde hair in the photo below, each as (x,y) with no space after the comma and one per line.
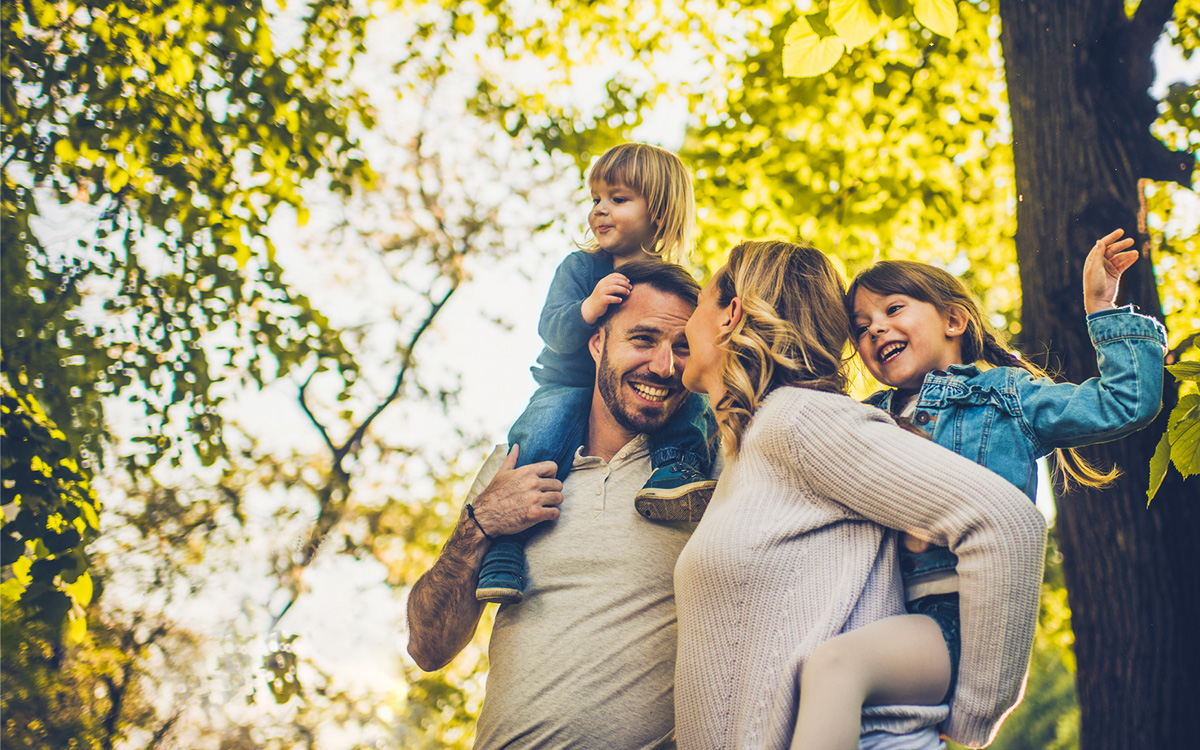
(659,176)
(793,329)
(981,342)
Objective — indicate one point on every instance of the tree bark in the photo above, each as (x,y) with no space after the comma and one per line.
(1077,75)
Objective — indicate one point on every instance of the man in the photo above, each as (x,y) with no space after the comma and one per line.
(588,659)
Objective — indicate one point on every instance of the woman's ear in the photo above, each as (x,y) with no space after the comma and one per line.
(956,322)
(733,314)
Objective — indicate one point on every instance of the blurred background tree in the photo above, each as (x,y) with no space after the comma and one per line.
(164,314)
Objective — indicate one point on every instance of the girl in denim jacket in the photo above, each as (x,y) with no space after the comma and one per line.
(642,209)
(919,330)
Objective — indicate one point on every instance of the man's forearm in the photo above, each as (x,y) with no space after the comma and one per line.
(442,609)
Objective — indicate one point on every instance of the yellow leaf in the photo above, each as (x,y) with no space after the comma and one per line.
(939,16)
(853,20)
(805,54)
(302,216)
(76,630)
(81,590)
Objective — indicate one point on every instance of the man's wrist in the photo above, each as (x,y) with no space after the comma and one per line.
(471,515)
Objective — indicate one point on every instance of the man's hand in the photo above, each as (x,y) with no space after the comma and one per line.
(517,499)
(442,609)
(1102,270)
(610,290)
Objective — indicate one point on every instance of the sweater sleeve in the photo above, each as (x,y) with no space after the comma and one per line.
(856,456)
(1125,398)
(562,326)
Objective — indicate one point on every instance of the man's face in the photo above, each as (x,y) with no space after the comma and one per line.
(640,353)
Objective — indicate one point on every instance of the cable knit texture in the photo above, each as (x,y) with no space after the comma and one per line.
(798,546)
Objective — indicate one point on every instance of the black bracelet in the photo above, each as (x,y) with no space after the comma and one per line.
(471,513)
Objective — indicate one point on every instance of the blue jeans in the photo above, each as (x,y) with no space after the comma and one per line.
(554,424)
(553,427)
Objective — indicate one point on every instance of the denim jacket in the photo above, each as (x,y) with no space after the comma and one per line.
(1005,419)
(565,360)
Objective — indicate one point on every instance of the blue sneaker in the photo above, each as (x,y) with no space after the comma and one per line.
(502,576)
(675,492)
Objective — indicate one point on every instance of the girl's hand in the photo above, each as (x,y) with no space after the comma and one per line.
(611,290)
(1103,268)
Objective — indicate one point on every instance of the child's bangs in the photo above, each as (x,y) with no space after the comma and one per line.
(622,168)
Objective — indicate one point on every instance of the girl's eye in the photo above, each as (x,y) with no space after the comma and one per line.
(893,308)
(859,331)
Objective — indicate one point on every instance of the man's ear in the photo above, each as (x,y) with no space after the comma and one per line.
(596,344)
(956,322)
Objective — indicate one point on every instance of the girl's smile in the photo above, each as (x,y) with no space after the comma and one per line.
(901,339)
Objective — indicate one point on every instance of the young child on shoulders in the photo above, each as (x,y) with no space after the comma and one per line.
(921,332)
(643,208)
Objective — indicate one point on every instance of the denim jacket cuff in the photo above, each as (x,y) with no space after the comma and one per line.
(1124,322)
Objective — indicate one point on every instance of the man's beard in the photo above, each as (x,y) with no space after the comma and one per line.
(627,415)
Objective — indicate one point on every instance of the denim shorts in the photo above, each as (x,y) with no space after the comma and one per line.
(943,608)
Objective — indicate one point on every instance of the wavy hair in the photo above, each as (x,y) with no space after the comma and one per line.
(981,342)
(660,177)
(793,329)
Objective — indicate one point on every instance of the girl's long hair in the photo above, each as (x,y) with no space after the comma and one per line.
(660,177)
(981,342)
(793,329)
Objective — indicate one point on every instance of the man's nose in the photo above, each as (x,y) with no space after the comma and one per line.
(663,362)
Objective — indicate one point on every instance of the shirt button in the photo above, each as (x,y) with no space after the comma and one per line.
(940,373)
(922,417)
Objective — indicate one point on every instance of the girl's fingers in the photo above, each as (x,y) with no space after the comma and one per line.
(1118,247)
(1124,260)
(1112,236)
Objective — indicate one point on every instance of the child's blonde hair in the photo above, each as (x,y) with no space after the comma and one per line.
(660,177)
(981,342)
(792,332)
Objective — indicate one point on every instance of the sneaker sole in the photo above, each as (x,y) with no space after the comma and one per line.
(687,507)
(499,596)
(675,493)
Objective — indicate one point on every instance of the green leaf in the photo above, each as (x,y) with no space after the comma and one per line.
(1183,430)
(1159,463)
(939,16)
(1185,370)
(854,21)
(805,54)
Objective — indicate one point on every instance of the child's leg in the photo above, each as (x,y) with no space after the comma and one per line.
(550,429)
(902,659)
(679,488)
(686,436)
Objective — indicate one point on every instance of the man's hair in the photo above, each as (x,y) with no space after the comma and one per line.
(667,278)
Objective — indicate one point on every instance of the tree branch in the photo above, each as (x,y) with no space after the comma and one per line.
(312,417)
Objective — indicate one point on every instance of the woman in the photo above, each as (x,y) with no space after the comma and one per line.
(797,544)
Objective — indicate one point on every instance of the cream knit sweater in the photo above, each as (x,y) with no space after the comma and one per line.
(793,550)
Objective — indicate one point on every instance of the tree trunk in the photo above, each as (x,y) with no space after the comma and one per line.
(1077,76)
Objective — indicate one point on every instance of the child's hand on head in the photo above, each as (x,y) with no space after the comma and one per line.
(1103,268)
(611,290)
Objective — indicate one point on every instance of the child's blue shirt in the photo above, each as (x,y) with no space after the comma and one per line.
(1005,418)
(564,360)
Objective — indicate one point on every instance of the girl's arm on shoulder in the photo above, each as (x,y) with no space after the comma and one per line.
(856,456)
(561,325)
(1123,399)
